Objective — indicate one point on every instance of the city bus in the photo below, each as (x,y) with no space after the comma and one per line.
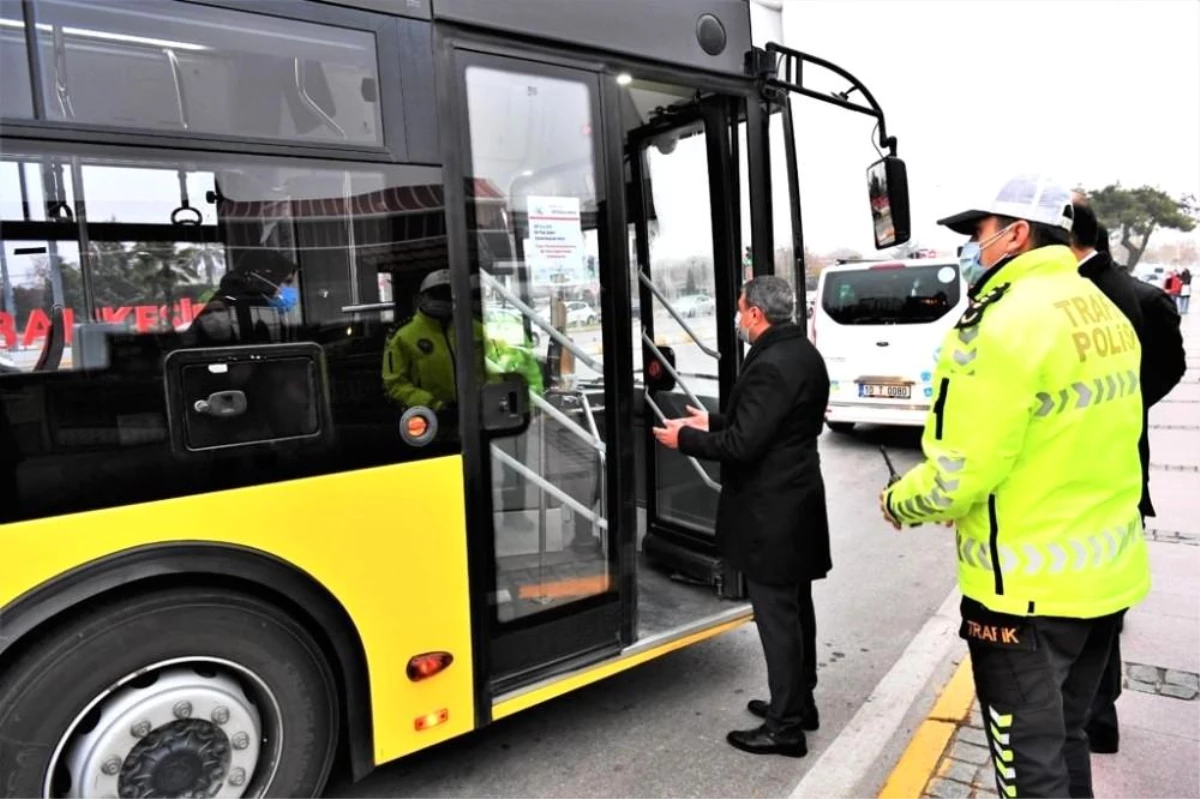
(302,467)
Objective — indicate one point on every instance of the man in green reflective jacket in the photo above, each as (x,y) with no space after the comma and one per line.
(1031,452)
(419,359)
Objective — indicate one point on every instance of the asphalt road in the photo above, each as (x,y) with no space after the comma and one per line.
(658,730)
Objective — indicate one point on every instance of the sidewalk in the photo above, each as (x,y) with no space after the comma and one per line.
(1159,709)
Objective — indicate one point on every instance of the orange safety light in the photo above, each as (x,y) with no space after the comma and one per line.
(428,664)
(431,720)
(417,426)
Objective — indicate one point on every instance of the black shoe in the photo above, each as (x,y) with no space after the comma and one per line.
(1104,740)
(811,722)
(762,741)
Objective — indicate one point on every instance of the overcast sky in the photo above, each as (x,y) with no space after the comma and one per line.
(1090,91)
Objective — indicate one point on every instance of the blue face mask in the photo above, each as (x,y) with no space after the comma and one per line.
(286,299)
(969,264)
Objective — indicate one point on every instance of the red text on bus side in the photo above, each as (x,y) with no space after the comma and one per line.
(142,318)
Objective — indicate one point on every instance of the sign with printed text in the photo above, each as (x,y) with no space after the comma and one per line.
(555,248)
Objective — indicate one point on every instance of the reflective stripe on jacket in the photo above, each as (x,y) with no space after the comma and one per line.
(1032,445)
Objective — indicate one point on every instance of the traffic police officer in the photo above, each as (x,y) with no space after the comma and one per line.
(419,359)
(1031,451)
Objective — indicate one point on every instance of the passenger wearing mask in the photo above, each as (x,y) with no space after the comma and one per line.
(771,516)
(254,303)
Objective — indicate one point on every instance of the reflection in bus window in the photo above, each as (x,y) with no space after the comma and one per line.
(149,354)
(16,98)
(537,215)
(170,65)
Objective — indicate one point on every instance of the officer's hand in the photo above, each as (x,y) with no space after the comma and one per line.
(887,517)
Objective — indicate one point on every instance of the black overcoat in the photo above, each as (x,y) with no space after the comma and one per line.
(771,519)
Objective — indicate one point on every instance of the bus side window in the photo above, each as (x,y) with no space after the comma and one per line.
(211,323)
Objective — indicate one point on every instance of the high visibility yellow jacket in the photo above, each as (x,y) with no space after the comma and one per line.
(1031,447)
(419,362)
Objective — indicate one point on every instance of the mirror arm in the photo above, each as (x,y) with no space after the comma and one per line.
(765,64)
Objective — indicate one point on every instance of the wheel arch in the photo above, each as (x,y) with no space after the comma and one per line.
(250,570)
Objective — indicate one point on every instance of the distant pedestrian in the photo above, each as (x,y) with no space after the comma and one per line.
(1185,289)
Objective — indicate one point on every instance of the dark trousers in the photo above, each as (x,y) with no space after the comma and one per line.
(787,625)
(1036,678)
(1102,719)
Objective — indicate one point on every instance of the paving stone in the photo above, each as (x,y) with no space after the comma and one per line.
(1179,691)
(949,789)
(1142,673)
(972,736)
(1144,687)
(970,753)
(958,771)
(1184,678)
(987,794)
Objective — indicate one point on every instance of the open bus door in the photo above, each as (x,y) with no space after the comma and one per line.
(564,164)
(570,170)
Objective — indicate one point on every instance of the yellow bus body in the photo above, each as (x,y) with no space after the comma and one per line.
(388,543)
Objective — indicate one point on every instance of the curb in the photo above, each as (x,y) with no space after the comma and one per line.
(919,763)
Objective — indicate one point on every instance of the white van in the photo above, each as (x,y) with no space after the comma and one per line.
(879,326)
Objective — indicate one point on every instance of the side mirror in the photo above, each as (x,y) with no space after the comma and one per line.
(887,185)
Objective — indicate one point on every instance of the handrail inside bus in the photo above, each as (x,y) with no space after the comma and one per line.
(648,283)
(173,60)
(537,319)
(548,487)
(592,439)
(708,481)
(312,104)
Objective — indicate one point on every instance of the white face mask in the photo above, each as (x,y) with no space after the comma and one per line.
(742,333)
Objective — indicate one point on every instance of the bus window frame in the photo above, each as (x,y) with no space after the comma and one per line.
(403,52)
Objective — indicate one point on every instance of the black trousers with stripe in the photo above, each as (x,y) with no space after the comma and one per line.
(1036,678)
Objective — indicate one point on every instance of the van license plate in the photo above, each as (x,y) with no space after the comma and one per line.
(884,391)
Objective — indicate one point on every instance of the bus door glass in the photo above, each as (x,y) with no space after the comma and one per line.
(535,225)
(685,231)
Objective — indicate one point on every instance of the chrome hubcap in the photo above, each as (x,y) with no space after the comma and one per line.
(184,729)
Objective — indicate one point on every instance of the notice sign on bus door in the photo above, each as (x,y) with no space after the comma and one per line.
(555,245)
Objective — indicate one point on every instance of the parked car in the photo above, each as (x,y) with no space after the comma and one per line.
(695,305)
(879,326)
(580,313)
(508,325)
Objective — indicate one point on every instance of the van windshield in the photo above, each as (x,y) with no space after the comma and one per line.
(910,295)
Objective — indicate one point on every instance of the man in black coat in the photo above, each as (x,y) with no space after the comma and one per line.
(771,521)
(1156,322)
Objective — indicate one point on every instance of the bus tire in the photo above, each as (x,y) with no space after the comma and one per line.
(170,692)
(841,427)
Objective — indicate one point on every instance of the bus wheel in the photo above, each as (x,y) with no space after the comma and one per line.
(188,692)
